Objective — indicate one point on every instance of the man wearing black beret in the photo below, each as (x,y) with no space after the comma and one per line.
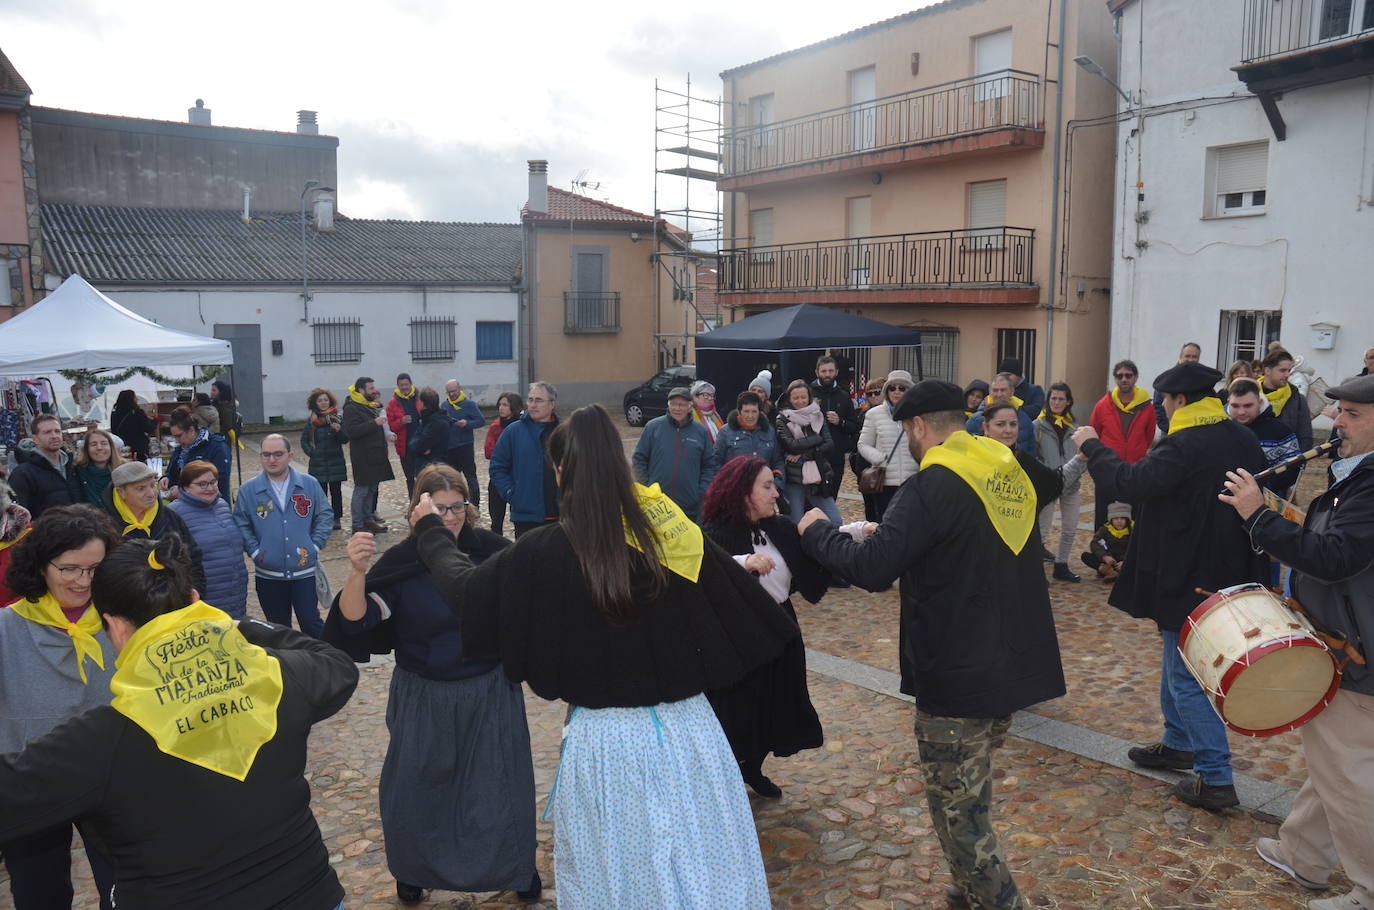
(976,644)
(1184,540)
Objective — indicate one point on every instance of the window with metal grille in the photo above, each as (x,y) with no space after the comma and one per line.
(1245,335)
(939,356)
(337,339)
(433,338)
(1019,343)
(495,341)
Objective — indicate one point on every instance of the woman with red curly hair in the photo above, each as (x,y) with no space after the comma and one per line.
(769,710)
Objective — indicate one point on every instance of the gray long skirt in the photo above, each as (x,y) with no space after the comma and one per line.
(457,787)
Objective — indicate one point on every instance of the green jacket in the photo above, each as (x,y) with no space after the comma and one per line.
(324,445)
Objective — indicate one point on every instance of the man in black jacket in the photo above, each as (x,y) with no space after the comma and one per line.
(975,645)
(46,475)
(1332,556)
(1184,541)
(838,409)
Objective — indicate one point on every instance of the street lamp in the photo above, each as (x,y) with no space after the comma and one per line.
(1092,66)
(305,248)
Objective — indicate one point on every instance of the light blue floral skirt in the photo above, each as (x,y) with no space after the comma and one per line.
(650,812)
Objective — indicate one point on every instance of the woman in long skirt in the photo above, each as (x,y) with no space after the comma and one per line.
(625,611)
(457,786)
(770,709)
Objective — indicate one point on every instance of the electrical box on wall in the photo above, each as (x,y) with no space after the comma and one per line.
(1324,335)
(276,347)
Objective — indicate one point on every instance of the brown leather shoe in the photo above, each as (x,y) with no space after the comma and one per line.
(375,526)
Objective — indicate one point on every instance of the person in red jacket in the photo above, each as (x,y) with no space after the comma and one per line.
(1125,422)
(404,419)
(509,406)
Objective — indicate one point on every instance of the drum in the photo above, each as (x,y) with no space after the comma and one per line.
(1259,662)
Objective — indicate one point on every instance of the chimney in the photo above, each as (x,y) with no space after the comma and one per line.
(305,123)
(247,202)
(324,212)
(199,115)
(539,186)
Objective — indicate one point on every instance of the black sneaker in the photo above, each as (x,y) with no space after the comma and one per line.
(1062,573)
(1158,755)
(1193,791)
(409,894)
(532,893)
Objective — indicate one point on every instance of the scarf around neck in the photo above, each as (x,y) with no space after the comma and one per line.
(1123,532)
(1060,421)
(991,471)
(46,611)
(1198,414)
(1278,398)
(681,545)
(203,692)
(405,397)
(1138,397)
(132,523)
(462,397)
(358,397)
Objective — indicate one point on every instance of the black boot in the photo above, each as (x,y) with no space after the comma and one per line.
(1062,573)
(536,888)
(1158,755)
(409,894)
(752,772)
(1194,791)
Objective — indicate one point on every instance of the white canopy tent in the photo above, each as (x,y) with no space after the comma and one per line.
(78,328)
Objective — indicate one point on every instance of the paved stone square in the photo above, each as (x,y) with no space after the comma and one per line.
(851,829)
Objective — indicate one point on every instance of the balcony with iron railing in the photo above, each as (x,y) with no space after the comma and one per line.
(591,313)
(993,110)
(889,267)
(1291,44)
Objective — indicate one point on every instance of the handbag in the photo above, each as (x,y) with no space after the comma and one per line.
(874,478)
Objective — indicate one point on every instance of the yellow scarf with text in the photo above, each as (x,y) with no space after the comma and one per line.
(1198,414)
(680,541)
(201,690)
(132,523)
(46,611)
(1279,398)
(1138,397)
(991,470)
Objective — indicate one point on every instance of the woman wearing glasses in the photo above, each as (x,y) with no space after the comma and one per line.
(457,786)
(883,442)
(211,523)
(55,662)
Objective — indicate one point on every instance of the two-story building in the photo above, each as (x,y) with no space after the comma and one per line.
(922,171)
(21,252)
(1247,174)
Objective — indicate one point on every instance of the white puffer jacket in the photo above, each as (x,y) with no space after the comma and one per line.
(879,434)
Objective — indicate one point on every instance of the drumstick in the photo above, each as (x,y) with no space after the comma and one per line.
(1296,462)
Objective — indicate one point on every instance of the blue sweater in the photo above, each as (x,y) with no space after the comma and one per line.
(283,543)
(221,547)
(762,441)
(680,459)
(518,469)
(206,448)
(465,410)
(428,633)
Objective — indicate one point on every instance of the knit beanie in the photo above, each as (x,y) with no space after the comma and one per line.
(764,381)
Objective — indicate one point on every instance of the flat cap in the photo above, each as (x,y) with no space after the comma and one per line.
(130,472)
(1187,378)
(1360,390)
(927,397)
(680,392)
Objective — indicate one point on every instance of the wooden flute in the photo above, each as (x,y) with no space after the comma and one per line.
(1297,461)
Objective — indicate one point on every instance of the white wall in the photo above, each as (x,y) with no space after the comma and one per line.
(1309,254)
(385,315)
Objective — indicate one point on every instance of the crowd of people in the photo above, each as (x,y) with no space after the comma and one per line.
(652,595)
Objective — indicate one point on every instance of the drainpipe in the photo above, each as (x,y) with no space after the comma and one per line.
(1050,287)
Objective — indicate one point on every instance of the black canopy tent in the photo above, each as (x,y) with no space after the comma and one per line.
(787,341)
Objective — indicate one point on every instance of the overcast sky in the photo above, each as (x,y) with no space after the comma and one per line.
(437,105)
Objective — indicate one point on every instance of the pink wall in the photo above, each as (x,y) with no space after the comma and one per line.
(13,223)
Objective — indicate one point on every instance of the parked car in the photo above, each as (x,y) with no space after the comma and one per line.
(647,401)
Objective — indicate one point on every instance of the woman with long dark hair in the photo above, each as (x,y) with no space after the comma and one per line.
(457,786)
(95,460)
(1055,448)
(509,407)
(129,422)
(770,709)
(624,610)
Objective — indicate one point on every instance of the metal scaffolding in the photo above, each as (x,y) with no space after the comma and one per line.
(687,130)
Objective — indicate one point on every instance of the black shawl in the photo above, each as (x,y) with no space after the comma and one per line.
(808,576)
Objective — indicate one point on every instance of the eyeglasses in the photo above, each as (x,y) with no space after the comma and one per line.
(458,506)
(1125,375)
(704,395)
(72,573)
(209,484)
(267,454)
(898,388)
(536,400)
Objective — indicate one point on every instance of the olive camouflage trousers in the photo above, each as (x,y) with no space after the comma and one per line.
(956,761)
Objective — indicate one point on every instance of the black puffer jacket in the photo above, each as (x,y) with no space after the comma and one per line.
(811,446)
(38,485)
(1332,556)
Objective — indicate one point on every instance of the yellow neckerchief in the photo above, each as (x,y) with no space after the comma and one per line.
(194,684)
(360,398)
(1130,525)
(1198,414)
(1279,398)
(462,396)
(680,541)
(6,544)
(143,524)
(46,611)
(1013,401)
(992,471)
(1138,397)
(405,397)
(1062,421)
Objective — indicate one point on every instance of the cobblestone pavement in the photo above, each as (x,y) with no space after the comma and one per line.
(851,829)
